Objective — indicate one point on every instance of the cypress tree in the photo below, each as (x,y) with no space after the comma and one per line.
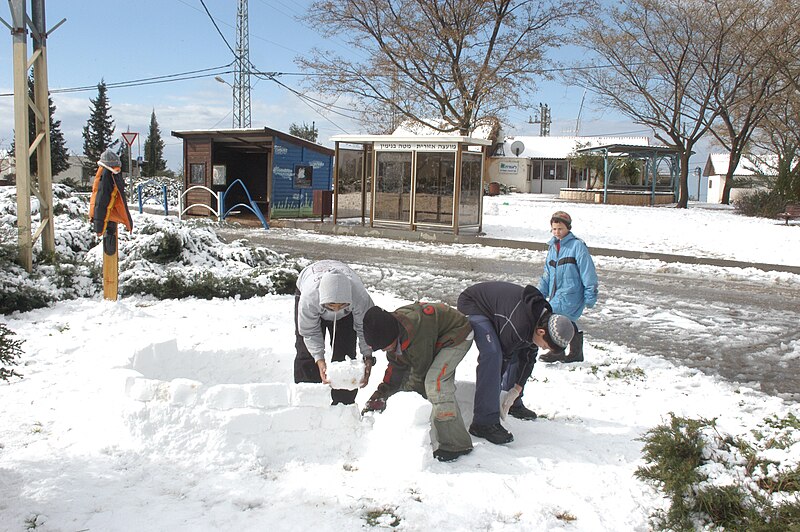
(154,163)
(99,129)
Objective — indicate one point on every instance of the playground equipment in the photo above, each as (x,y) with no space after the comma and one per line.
(221,212)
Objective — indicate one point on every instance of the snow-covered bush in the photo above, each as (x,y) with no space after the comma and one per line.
(164,257)
(170,259)
(10,350)
(748,482)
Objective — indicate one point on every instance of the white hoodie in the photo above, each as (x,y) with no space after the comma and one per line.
(330,281)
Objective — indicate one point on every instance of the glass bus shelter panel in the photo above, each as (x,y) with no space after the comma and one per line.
(393,187)
(469,209)
(433,202)
(349,193)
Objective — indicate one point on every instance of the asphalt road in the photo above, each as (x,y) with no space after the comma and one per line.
(739,330)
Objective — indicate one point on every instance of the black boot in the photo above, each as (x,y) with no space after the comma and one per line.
(575,348)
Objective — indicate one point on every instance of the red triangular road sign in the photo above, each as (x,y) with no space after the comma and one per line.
(129,137)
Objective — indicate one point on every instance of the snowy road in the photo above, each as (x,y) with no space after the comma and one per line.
(722,321)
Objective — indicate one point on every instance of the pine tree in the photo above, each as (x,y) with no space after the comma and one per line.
(99,129)
(122,151)
(305,131)
(154,163)
(59,157)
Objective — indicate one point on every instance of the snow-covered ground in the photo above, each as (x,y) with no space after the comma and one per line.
(180,414)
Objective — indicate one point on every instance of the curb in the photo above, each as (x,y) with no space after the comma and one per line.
(449,238)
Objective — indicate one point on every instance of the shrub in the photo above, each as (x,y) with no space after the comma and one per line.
(763,203)
(714,480)
(10,351)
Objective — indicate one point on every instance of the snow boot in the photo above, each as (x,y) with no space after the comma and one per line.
(575,349)
(494,433)
(553,356)
(521,411)
(449,456)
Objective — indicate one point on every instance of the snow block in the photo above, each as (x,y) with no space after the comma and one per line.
(346,375)
(141,389)
(226,397)
(311,394)
(295,419)
(150,359)
(184,391)
(341,417)
(267,395)
(406,419)
(250,423)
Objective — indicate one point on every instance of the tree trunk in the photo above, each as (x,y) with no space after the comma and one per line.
(683,188)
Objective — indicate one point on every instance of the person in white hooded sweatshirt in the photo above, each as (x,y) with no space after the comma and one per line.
(330,297)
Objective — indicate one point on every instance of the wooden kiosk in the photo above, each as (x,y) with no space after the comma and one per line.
(421,182)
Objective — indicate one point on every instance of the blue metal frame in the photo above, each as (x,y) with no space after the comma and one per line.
(253,207)
(143,200)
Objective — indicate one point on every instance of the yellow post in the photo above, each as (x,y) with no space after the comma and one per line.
(110,263)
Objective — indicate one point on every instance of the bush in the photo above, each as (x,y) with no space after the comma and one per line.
(763,203)
(10,351)
(714,480)
(177,284)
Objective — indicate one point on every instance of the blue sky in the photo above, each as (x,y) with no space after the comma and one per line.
(121,41)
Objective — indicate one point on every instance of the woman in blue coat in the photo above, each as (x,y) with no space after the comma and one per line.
(569,282)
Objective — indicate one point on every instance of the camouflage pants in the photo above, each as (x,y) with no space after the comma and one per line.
(440,387)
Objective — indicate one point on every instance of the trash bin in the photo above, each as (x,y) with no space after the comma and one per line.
(494,188)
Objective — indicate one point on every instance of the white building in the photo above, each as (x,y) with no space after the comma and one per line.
(717,168)
(540,165)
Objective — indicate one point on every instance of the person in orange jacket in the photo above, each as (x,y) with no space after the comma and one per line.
(108,205)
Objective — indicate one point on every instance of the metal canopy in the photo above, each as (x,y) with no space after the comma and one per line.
(653,155)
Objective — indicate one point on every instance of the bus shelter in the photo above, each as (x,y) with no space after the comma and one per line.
(411,182)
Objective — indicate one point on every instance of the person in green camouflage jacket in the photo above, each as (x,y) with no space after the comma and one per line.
(424,342)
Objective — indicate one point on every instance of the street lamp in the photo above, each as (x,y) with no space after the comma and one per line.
(233,89)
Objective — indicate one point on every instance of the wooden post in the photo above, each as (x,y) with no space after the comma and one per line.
(110,262)
(42,102)
(21,140)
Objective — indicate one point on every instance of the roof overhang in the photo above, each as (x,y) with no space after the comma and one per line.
(630,150)
(433,139)
(251,140)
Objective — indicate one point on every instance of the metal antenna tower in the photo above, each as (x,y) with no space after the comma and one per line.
(241,75)
(543,119)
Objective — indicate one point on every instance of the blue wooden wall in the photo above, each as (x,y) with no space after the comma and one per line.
(287,200)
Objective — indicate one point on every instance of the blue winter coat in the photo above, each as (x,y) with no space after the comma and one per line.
(569,280)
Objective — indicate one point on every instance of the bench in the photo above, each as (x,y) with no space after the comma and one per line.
(792,211)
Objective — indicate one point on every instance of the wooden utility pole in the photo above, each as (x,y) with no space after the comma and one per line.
(42,187)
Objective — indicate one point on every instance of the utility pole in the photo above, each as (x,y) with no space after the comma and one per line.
(42,187)
(241,74)
(543,119)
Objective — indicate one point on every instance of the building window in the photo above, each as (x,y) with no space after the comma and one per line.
(302,176)
(197,173)
(219,174)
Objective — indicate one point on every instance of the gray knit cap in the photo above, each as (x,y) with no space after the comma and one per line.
(560,329)
(110,158)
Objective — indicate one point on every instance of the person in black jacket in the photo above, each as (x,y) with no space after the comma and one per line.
(511,323)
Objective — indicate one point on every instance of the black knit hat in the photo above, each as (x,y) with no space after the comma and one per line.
(380,328)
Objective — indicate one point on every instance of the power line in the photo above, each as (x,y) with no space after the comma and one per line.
(167,78)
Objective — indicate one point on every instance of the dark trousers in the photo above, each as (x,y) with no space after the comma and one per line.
(344,345)
(492,369)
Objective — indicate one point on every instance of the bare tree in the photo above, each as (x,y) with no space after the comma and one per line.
(655,62)
(442,63)
(750,79)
